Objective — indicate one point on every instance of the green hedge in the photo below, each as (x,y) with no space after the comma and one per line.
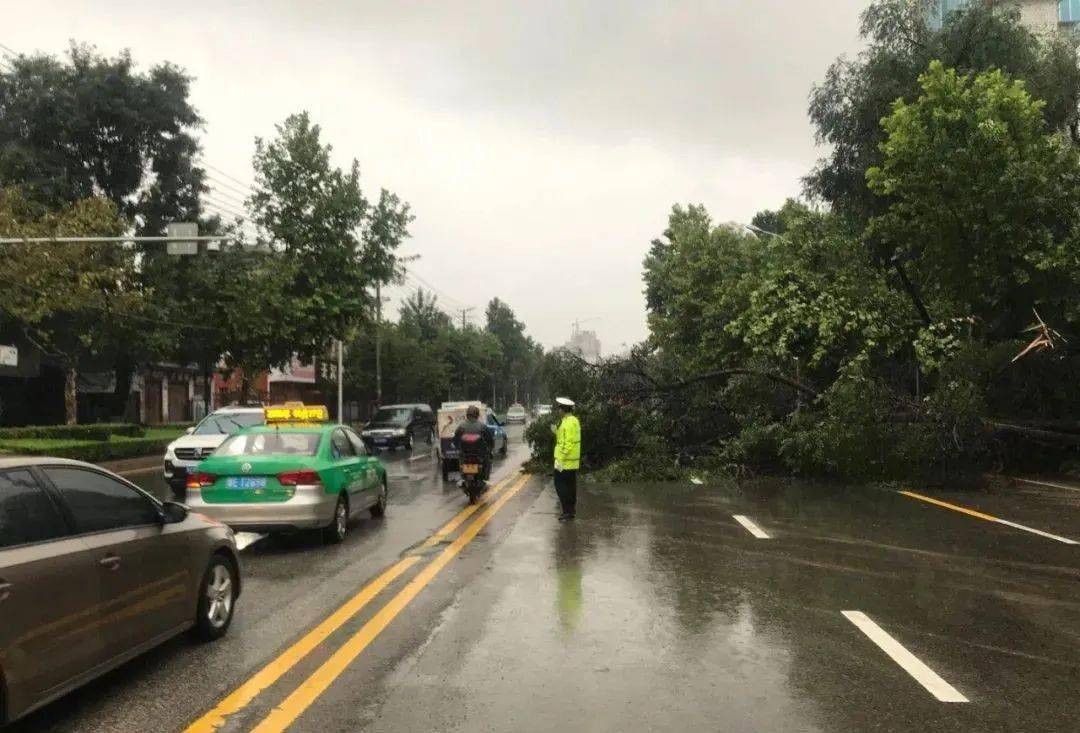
(95,431)
(93,451)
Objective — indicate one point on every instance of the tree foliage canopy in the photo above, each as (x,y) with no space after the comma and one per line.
(920,325)
(92,126)
(984,200)
(848,106)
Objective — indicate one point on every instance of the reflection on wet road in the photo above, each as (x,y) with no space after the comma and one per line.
(763,606)
(658,610)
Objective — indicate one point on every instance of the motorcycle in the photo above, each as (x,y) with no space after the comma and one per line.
(472,482)
(471,464)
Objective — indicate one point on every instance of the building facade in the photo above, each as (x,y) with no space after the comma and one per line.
(585,344)
(296,382)
(1039,15)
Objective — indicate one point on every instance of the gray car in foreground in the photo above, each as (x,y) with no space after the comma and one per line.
(93,572)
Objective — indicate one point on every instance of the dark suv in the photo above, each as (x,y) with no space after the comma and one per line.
(399,425)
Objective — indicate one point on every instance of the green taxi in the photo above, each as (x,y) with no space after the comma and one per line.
(296,472)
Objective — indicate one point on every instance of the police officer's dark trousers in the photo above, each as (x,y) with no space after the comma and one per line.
(566,488)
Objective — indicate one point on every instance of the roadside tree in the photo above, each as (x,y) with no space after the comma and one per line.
(847,107)
(72,300)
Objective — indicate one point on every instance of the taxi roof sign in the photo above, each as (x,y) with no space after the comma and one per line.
(296,412)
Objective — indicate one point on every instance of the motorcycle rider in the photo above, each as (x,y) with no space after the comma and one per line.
(474,426)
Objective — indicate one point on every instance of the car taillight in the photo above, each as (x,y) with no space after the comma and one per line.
(296,478)
(198,480)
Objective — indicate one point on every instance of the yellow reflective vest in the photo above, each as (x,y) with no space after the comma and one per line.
(568,443)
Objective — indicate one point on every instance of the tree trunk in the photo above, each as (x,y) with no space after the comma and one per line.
(124,371)
(71,402)
(208,388)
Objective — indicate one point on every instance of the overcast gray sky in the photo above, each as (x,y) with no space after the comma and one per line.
(541,144)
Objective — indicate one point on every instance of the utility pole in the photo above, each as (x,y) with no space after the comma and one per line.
(464,313)
(378,344)
(340,383)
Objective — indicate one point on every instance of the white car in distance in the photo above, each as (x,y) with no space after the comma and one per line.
(188,451)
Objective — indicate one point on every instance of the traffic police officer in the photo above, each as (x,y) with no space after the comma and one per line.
(567,457)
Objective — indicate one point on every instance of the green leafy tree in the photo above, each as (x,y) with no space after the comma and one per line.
(422,317)
(198,300)
(818,299)
(386,230)
(86,125)
(473,355)
(694,287)
(90,126)
(983,201)
(517,373)
(847,107)
(326,249)
(70,299)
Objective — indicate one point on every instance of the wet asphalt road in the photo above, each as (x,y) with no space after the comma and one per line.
(656,610)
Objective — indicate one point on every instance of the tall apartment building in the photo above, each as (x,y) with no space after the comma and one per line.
(585,344)
(1040,15)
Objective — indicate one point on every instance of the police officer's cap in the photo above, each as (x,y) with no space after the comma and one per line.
(564,401)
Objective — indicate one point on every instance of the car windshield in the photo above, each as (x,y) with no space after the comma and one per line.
(266,444)
(395,415)
(516,410)
(228,423)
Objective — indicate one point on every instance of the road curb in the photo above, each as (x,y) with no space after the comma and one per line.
(132,464)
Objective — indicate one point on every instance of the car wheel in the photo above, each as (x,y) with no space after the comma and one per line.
(217,599)
(379,510)
(505,448)
(408,442)
(431,436)
(335,532)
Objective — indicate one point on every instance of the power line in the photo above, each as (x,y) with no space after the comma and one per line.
(228,213)
(226,207)
(231,178)
(8,50)
(435,303)
(453,314)
(215,185)
(245,193)
(434,289)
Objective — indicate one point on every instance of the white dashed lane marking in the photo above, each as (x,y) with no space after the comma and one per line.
(911,664)
(1050,484)
(751,527)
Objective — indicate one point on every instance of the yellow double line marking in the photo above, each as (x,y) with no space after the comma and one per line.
(315,685)
(239,698)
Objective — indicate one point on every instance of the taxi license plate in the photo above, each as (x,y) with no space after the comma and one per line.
(470,468)
(246,482)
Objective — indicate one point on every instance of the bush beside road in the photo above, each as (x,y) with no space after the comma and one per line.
(114,445)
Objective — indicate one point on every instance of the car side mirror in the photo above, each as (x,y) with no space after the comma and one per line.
(173,513)
(190,430)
